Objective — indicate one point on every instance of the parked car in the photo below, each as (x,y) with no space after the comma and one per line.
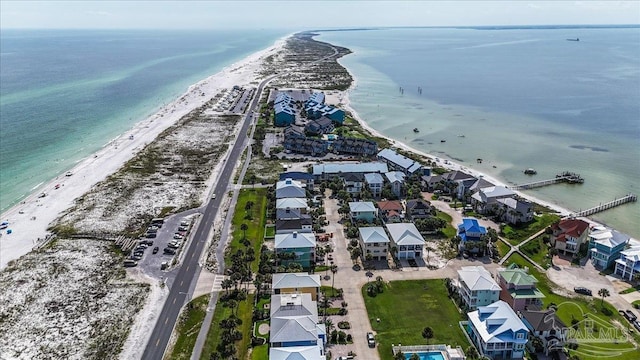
(582,290)
(147,242)
(371,340)
(636,324)
(184,223)
(178,237)
(182,228)
(169,251)
(130,263)
(631,316)
(151,235)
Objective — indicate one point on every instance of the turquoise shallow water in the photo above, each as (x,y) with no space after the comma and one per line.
(521,98)
(65,94)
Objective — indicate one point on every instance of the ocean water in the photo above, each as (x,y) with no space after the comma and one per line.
(521,97)
(65,94)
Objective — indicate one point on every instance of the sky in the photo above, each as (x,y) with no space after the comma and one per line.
(307,14)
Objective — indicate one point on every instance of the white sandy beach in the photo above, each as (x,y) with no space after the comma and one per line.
(29,220)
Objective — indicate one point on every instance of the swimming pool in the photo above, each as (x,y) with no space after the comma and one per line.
(429,355)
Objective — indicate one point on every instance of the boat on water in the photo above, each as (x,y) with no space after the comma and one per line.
(576,39)
(443,140)
(530,171)
(416,130)
(461,135)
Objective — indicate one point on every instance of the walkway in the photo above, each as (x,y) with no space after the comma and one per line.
(516,249)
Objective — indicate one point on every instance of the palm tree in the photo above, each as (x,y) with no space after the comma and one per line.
(603,294)
(325,302)
(427,333)
(329,325)
(428,249)
(334,270)
(227,284)
(472,353)
(399,356)
(414,356)
(233,305)
(244,228)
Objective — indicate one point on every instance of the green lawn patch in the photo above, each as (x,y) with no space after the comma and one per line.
(188,326)
(329,291)
(521,232)
(538,251)
(503,248)
(407,307)
(449,231)
(270,232)
(260,352)
(583,308)
(245,313)
(630,290)
(254,218)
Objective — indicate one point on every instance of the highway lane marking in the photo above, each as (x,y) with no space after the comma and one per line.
(188,267)
(174,300)
(166,320)
(158,342)
(181,282)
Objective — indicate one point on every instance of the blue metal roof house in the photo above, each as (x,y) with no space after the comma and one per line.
(470,230)
(284,115)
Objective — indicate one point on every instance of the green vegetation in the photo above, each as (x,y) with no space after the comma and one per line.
(521,232)
(449,231)
(188,327)
(329,291)
(503,248)
(260,352)
(538,251)
(630,290)
(574,310)
(405,308)
(254,217)
(270,232)
(223,311)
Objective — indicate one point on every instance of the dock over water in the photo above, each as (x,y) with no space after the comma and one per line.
(606,206)
(565,177)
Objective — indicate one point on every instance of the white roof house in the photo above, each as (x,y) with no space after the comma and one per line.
(405,234)
(493,192)
(295,280)
(370,235)
(477,278)
(398,161)
(296,353)
(331,169)
(289,188)
(373,178)
(395,176)
(295,240)
(499,325)
(292,203)
(362,206)
(607,237)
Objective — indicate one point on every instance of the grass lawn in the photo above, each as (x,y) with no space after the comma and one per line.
(503,248)
(255,220)
(537,250)
(329,291)
(188,327)
(407,307)
(630,290)
(244,312)
(260,352)
(270,232)
(584,307)
(521,232)
(449,231)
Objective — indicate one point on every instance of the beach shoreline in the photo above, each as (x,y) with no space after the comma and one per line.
(29,219)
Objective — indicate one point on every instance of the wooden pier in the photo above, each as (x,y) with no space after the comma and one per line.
(565,177)
(606,206)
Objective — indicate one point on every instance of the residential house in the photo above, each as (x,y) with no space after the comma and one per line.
(293,203)
(477,287)
(328,171)
(497,331)
(629,262)
(295,247)
(363,210)
(605,246)
(284,115)
(291,214)
(294,322)
(304,178)
(306,146)
(374,241)
(451,181)
(390,211)
(297,352)
(317,97)
(418,209)
(518,289)
(515,210)
(470,233)
(290,188)
(293,132)
(316,110)
(301,225)
(569,234)
(462,190)
(375,182)
(432,182)
(354,146)
(324,125)
(406,239)
(399,162)
(547,327)
(396,180)
(353,182)
(296,283)
(485,201)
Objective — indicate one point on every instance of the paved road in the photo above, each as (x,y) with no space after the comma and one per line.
(182,284)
